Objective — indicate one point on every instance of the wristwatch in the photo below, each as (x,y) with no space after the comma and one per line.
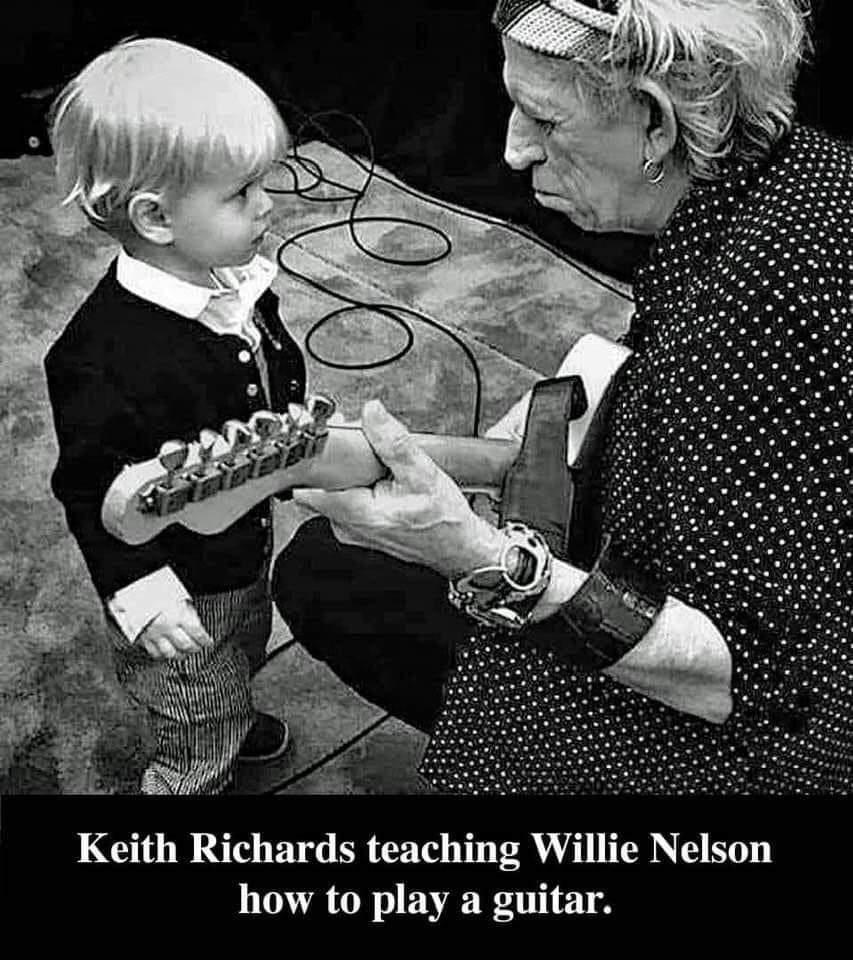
(504,595)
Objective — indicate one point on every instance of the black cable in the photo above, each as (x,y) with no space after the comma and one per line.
(517,229)
(342,748)
(389,311)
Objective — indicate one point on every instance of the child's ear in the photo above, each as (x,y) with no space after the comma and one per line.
(149,217)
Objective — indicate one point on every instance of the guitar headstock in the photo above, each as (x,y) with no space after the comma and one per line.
(208,484)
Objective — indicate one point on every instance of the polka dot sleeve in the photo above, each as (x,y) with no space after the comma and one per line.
(738,412)
(757,480)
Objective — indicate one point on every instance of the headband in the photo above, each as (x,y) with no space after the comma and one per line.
(559,28)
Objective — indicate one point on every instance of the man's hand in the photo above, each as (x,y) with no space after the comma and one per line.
(175,633)
(419,514)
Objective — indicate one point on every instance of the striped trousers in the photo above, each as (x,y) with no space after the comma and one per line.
(201,707)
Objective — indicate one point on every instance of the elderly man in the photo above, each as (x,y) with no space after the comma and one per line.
(707,648)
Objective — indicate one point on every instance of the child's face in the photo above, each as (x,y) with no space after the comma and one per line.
(219,222)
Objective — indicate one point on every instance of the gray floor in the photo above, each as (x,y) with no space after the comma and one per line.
(517,306)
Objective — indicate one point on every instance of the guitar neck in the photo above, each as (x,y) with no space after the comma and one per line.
(208,490)
(347,460)
(134,511)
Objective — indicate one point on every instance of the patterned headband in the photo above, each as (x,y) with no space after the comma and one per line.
(559,28)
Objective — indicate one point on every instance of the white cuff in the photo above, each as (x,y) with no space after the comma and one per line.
(135,606)
(512,423)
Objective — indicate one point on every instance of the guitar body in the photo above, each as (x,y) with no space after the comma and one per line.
(555,483)
(206,487)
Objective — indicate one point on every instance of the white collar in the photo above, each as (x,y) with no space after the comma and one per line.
(189,299)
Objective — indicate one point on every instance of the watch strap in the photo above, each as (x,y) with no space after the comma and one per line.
(503,596)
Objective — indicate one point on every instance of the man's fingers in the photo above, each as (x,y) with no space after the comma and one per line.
(350,536)
(395,447)
(341,505)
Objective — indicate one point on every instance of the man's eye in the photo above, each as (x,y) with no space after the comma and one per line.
(546,126)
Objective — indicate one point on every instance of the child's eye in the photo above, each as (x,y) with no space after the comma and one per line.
(243,192)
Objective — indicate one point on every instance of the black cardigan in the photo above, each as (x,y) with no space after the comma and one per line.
(126,375)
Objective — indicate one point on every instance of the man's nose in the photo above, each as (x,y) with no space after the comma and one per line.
(522,142)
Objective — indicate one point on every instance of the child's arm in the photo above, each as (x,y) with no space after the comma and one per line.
(157,612)
(96,428)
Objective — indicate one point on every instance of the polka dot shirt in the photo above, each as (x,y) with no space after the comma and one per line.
(727,476)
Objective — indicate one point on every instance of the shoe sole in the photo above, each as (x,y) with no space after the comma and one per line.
(267,757)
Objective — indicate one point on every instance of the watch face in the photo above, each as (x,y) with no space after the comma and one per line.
(505,594)
(526,559)
(521,566)
(489,579)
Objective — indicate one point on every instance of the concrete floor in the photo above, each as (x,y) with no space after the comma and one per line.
(64,724)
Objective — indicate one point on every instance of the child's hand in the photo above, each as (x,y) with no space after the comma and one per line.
(175,633)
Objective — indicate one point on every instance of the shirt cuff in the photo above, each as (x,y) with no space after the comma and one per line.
(512,423)
(135,606)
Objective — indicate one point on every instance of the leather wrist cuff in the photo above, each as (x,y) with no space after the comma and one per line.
(608,616)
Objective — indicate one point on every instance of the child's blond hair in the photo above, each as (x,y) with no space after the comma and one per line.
(153,115)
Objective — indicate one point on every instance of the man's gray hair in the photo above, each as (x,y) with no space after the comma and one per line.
(729,66)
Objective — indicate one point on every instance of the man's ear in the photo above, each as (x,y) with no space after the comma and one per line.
(149,217)
(661,126)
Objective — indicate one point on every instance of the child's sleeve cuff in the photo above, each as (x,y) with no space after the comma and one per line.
(136,605)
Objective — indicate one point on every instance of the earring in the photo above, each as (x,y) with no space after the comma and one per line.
(653,171)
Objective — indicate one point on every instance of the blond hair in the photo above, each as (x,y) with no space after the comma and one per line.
(154,115)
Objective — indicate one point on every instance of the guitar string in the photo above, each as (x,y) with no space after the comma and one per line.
(296,164)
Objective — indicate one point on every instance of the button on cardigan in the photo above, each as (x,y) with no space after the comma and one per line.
(126,375)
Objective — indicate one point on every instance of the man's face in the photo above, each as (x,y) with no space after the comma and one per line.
(219,221)
(587,168)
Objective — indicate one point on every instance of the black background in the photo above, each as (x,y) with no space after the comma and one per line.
(656,906)
(423,75)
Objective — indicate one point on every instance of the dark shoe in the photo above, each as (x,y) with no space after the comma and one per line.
(268,739)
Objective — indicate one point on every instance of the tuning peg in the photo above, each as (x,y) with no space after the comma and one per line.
(320,407)
(242,460)
(207,440)
(265,424)
(300,417)
(286,422)
(172,456)
(237,433)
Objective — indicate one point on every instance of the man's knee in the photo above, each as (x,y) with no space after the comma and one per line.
(297,576)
